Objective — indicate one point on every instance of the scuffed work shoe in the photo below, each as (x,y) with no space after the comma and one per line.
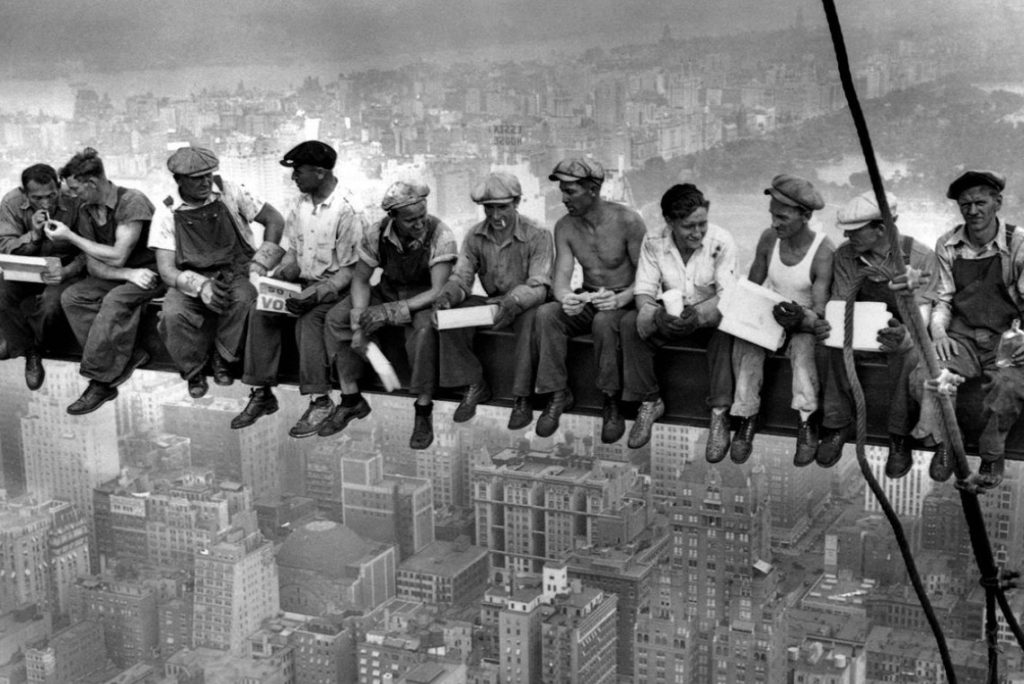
(901,457)
(341,416)
(559,403)
(478,393)
(718,437)
(941,467)
(35,374)
(422,431)
(990,473)
(309,424)
(94,396)
(613,425)
(221,371)
(522,413)
(830,447)
(806,442)
(262,402)
(648,413)
(743,440)
(198,386)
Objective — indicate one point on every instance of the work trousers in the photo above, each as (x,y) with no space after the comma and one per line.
(31,315)
(838,406)
(263,348)
(418,337)
(640,380)
(748,367)
(461,367)
(191,331)
(104,316)
(554,328)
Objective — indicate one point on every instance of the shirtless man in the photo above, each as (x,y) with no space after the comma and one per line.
(796,262)
(604,237)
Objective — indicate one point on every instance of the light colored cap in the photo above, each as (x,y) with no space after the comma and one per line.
(862,210)
(499,187)
(402,194)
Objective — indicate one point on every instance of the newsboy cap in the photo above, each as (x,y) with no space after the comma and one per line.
(499,187)
(192,161)
(974,178)
(795,192)
(402,194)
(575,170)
(311,153)
(862,210)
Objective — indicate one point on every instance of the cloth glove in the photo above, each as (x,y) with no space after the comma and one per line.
(390,313)
(685,323)
(789,315)
(266,257)
(508,308)
(894,338)
(450,295)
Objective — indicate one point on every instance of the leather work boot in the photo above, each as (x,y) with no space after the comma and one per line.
(341,416)
(139,358)
(941,467)
(559,403)
(262,402)
(522,413)
(718,437)
(475,394)
(309,424)
(613,425)
(422,429)
(743,440)
(901,457)
(830,447)
(94,396)
(34,371)
(806,442)
(648,413)
(198,386)
(221,372)
(990,473)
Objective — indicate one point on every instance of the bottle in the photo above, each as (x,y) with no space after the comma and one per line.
(1009,342)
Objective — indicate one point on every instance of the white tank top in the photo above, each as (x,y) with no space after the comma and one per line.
(793,282)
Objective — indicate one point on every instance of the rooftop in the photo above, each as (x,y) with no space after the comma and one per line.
(443,558)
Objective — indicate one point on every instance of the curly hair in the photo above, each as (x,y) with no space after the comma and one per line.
(85,164)
(681,200)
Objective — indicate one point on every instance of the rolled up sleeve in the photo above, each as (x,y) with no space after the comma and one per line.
(648,271)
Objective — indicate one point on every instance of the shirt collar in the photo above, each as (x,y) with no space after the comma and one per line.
(392,236)
(959,236)
(484,229)
(177,203)
(327,202)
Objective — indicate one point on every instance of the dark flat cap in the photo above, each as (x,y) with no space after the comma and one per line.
(499,187)
(311,153)
(974,178)
(575,170)
(192,161)
(796,192)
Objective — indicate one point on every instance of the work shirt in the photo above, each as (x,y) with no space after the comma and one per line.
(955,245)
(242,205)
(712,267)
(16,226)
(322,238)
(442,248)
(99,222)
(524,258)
(847,265)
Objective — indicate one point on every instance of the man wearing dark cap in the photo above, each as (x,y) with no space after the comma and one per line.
(796,262)
(604,237)
(512,255)
(698,260)
(415,252)
(104,309)
(980,293)
(866,246)
(322,230)
(206,253)
(30,313)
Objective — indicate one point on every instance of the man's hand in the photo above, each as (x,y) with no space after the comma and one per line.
(303,301)
(57,231)
(604,300)
(143,278)
(508,309)
(685,323)
(895,337)
(911,279)
(53,274)
(573,304)
(821,329)
(442,302)
(390,313)
(945,348)
(789,315)
(359,341)
(288,271)
(215,295)
(39,220)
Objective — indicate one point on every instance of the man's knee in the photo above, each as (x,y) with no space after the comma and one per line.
(337,322)
(606,324)
(550,316)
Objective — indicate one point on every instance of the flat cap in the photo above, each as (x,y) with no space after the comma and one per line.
(402,194)
(575,170)
(796,192)
(497,188)
(974,178)
(311,153)
(192,161)
(862,210)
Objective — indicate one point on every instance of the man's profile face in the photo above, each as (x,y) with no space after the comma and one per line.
(689,231)
(979,206)
(787,221)
(410,221)
(84,189)
(195,188)
(577,197)
(41,195)
(864,239)
(307,178)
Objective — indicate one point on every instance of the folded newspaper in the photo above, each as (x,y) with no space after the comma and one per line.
(747,314)
(26,269)
(272,294)
(868,319)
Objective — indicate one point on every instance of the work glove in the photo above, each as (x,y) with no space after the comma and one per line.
(307,300)
(789,315)
(215,295)
(390,313)
(508,308)
(895,337)
(449,296)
